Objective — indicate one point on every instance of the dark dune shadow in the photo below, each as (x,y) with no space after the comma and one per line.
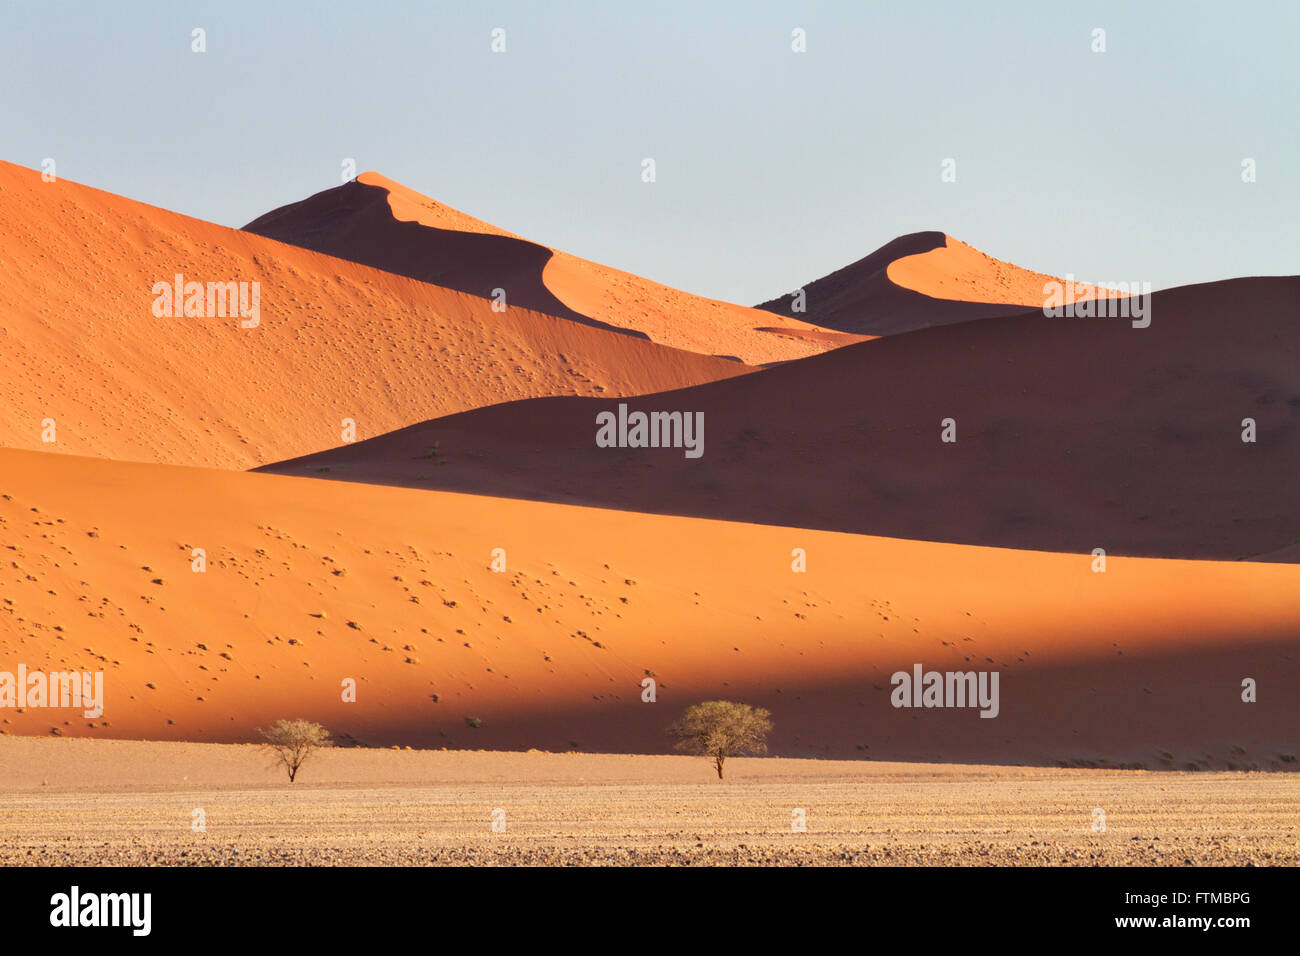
(1175,711)
(1072,434)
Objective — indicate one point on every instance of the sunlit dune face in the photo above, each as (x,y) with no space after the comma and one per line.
(961,273)
(308,583)
(680,319)
(409,206)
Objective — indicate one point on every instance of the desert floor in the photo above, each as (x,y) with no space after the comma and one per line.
(68,801)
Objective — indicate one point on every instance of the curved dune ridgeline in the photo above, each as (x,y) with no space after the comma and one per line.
(915,282)
(380,223)
(1071,434)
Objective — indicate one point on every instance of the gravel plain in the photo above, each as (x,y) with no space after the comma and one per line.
(89,802)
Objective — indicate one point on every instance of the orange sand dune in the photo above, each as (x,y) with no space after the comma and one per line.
(962,273)
(310,582)
(918,281)
(380,223)
(80,343)
(1071,434)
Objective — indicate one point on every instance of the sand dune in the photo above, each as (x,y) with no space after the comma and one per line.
(380,223)
(918,281)
(1071,434)
(309,582)
(80,344)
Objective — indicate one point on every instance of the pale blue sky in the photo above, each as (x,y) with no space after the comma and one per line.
(774,168)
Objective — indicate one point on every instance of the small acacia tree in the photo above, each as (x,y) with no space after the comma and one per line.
(720,728)
(292,742)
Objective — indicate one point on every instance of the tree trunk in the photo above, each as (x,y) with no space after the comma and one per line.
(718,761)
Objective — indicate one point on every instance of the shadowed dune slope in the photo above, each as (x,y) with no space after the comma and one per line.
(310,583)
(1071,434)
(915,282)
(380,223)
(80,344)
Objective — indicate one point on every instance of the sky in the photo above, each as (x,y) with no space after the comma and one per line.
(772,167)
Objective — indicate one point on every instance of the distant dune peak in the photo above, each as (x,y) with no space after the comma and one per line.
(959,272)
(916,281)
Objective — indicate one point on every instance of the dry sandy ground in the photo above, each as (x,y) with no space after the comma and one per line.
(126,802)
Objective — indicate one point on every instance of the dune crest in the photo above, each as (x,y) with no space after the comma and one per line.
(410,206)
(383,224)
(917,281)
(958,272)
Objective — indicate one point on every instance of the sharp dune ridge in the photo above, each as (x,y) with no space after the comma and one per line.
(918,281)
(380,223)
